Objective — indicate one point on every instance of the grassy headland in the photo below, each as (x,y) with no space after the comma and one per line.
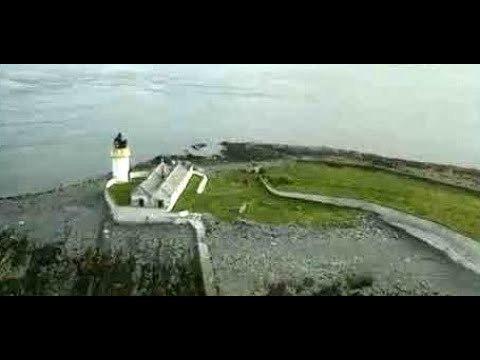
(410,186)
(457,208)
(232,194)
(449,174)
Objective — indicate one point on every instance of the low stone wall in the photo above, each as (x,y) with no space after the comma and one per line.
(109,199)
(205,259)
(203,183)
(139,174)
(459,248)
(136,215)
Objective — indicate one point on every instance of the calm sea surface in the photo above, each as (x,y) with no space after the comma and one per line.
(57,121)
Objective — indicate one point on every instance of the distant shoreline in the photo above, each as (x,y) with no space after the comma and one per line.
(234,152)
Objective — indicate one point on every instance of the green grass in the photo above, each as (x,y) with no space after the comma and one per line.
(228,190)
(458,209)
(121,192)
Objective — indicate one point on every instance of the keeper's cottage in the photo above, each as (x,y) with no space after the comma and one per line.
(163,186)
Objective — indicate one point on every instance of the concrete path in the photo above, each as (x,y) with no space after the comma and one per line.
(459,248)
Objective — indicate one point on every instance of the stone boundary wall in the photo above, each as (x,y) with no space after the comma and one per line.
(203,183)
(141,216)
(139,174)
(461,249)
(202,252)
(108,198)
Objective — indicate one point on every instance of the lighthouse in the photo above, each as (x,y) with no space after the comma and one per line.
(120,159)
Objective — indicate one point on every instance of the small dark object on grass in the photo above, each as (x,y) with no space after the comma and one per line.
(359,281)
(247,181)
(280,180)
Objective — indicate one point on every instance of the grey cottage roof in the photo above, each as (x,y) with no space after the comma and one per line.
(161,183)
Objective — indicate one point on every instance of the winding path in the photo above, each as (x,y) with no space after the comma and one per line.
(461,249)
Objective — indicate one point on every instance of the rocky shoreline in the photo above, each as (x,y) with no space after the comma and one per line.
(247,257)
(466,178)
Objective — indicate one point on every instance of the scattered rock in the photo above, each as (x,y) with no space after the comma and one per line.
(198,146)
(242,208)
(245,252)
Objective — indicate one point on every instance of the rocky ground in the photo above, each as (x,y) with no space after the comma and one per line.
(74,248)
(73,213)
(151,268)
(248,258)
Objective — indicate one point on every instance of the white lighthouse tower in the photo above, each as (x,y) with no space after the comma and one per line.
(120,159)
